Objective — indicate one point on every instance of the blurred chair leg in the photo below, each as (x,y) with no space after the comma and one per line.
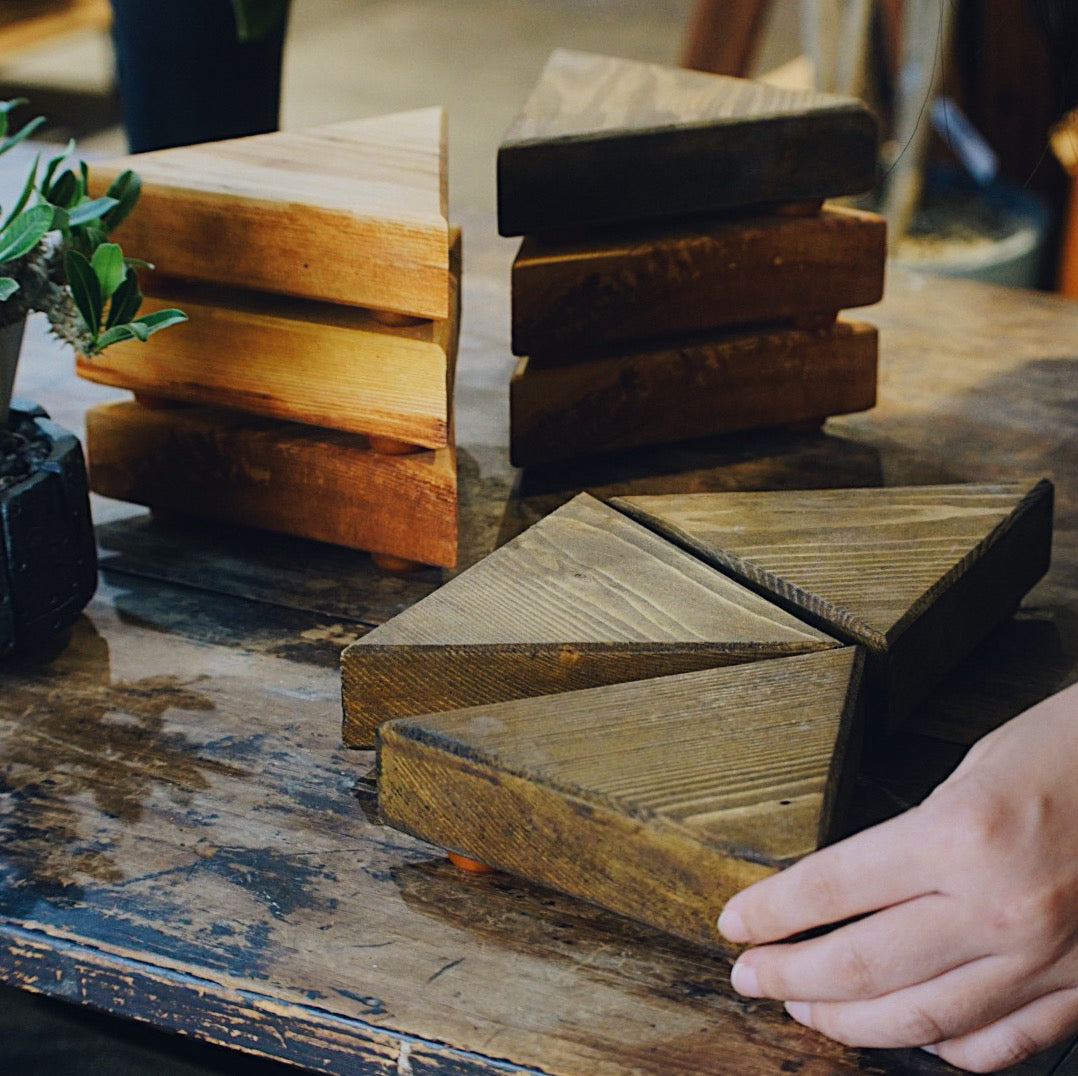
(722,36)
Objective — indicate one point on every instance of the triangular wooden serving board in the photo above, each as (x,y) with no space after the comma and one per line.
(323,364)
(350,213)
(656,799)
(279,476)
(602,140)
(676,389)
(643,283)
(918,574)
(584,597)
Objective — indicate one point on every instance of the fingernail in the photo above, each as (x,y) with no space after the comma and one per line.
(934,1051)
(732,926)
(799,1010)
(743,979)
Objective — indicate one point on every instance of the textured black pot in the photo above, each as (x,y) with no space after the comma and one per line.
(48,557)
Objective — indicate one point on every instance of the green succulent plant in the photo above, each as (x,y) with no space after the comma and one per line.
(56,256)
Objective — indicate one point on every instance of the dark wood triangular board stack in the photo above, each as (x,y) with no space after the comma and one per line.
(607,727)
(675,237)
(585,597)
(657,799)
(917,575)
(322,282)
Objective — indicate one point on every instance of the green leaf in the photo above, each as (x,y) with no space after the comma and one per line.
(125,188)
(112,336)
(85,289)
(94,209)
(126,300)
(25,232)
(8,287)
(108,266)
(160,319)
(54,163)
(27,190)
(22,135)
(64,191)
(256,18)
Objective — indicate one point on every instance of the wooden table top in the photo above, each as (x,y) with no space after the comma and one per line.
(184,840)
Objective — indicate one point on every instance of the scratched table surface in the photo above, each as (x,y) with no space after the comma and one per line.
(185,842)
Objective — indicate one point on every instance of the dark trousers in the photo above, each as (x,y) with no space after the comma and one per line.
(185,77)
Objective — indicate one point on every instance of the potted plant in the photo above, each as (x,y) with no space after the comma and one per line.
(55,258)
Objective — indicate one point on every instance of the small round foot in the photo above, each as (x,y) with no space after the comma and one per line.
(387,562)
(815,321)
(799,209)
(466,864)
(807,425)
(152,402)
(388,446)
(391,317)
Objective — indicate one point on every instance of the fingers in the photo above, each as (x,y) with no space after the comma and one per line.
(885,865)
(865,959)
(948,1007)
(1015,1037)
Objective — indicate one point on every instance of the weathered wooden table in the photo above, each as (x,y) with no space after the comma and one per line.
(184,841)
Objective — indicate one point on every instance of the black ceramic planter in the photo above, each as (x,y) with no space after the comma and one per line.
(48,557)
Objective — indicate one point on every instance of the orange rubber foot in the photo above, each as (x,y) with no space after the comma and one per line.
(389,563)
(466,864)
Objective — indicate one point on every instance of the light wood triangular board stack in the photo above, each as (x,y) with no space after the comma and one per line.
(583,598)
(918,575)
(352,213)
(322,283)
(602,140)
(657,799)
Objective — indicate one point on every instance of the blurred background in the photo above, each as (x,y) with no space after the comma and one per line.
(968,91)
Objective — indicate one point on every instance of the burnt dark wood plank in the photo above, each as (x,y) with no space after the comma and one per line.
(602,140)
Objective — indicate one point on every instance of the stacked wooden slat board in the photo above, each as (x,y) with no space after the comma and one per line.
(651,703)
(310,391)
(680,276)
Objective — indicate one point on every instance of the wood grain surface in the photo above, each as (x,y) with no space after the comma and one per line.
(657,799)
(689,387)
(286,477)
(514,623)
(917,575)
(602,140)
(322,364)
(576,294)
(352,212)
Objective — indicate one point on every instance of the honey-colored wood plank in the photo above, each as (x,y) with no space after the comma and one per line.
(603,141)
(26,24)
(283,477)
(676,390)
(351,213)
(918,575)
(657,799)
(643,283)
(325,365)
(586,596)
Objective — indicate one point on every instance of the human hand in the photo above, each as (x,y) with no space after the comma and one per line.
(968,945)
